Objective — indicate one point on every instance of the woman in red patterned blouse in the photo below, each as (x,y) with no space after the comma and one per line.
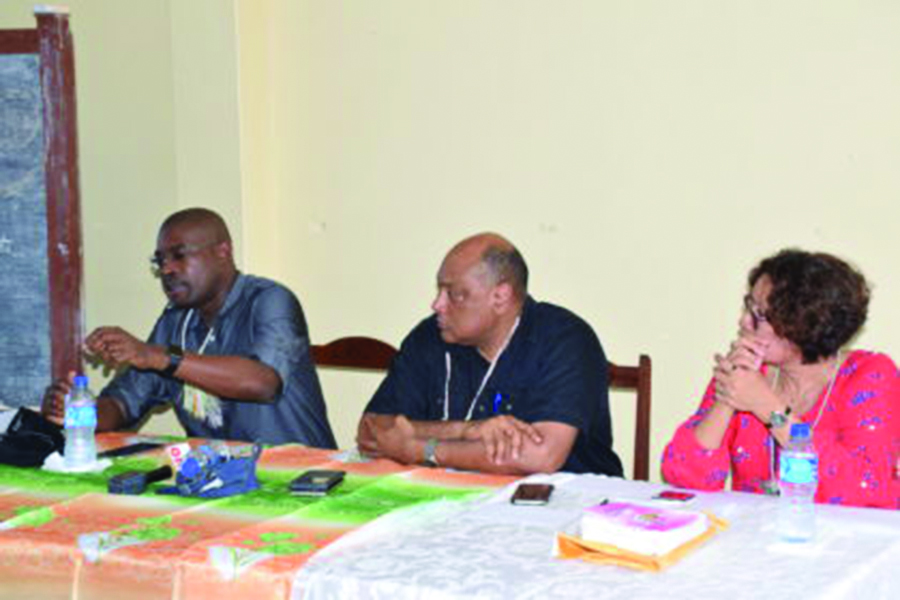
(787,366)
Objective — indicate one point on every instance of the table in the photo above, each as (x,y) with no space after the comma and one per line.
(490,549)
(63,536)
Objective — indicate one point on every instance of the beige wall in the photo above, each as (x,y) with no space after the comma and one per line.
(642,155)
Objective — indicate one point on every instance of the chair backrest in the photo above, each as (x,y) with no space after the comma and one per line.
(637,378)
(356,352)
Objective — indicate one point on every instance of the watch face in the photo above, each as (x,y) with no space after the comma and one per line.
(777,419)
(431,453)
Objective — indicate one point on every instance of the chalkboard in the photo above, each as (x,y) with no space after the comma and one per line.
(40,237)
(25,324)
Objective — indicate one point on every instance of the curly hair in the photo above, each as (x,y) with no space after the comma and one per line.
(817,300)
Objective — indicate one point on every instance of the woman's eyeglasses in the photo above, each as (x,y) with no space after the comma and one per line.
(757,315)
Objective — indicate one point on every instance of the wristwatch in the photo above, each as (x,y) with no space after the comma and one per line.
(779,419)
(176,355)
(430,453)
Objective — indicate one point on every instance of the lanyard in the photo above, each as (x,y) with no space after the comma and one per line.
(448,363)
(209,334)
(197,403)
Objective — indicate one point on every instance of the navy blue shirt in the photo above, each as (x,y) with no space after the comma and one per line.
(553,369)
(260,320)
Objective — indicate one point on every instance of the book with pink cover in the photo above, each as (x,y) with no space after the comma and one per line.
(642,528)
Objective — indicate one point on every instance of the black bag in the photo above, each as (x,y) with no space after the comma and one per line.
(29,439)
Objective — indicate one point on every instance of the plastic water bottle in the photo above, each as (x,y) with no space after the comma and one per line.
(798,479)
(81,421)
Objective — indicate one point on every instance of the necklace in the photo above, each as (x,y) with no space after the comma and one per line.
(831,378)
(771,486)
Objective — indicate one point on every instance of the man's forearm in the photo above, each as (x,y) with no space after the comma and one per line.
(230,376)
(440,430)
(457,454)
(471,456)
(546,456)
(395,437)
(110,414)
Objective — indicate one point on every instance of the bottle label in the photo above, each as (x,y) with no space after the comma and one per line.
(799,469)
(178,453)
(81,416)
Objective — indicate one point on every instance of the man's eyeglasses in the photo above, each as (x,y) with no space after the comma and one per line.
(176,254)
(757,315)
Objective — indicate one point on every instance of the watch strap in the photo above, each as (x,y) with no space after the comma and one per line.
(430,453)
(176,355)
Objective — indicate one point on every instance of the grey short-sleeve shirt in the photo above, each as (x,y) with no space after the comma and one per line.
(260,320)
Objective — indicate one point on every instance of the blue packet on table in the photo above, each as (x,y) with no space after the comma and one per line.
(210,472)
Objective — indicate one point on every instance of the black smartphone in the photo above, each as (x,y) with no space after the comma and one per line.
(532,494)
(131,449)
(316,482)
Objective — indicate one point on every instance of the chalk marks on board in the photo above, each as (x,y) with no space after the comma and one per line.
(21,141)
(24,288)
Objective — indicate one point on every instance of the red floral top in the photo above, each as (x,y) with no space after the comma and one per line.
(855,439)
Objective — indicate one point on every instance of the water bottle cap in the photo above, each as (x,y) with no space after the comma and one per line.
(81,381)
(800,431)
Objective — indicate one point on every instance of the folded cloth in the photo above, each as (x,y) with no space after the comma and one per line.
(572,546)
(57,463)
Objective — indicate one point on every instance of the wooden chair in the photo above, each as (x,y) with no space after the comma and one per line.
(355,352)
(638,379)
(365,353)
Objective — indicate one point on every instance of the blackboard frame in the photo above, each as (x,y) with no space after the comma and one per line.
(51,40)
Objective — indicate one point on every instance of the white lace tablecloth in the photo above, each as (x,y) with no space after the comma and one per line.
(494,550)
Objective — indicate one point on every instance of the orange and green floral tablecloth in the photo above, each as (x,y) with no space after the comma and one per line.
(63,536)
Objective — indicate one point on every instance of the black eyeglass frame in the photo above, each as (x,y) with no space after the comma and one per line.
(176,254)
(757,316)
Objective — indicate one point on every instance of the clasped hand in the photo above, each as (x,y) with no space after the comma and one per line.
(739,383)
(389,436)
(503,437)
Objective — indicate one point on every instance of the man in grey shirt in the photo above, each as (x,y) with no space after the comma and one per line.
(230,352)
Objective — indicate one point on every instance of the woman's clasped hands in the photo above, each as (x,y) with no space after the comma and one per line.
(739,383)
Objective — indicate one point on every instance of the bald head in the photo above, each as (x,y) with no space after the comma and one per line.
(481,291)
(500,260)
(203,220)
